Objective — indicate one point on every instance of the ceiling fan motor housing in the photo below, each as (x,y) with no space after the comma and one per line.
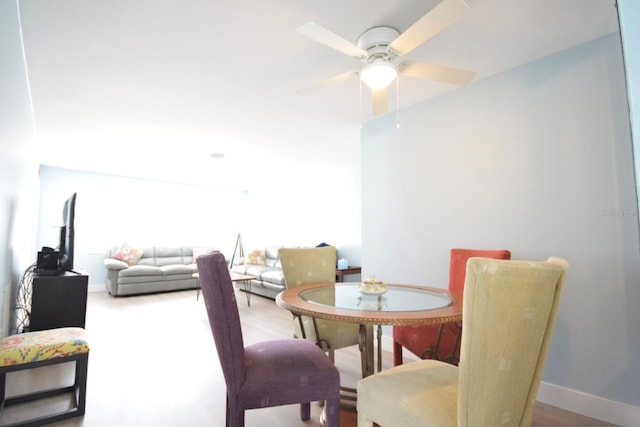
(376,41)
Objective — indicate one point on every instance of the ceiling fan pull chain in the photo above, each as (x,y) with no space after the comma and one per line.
(361,111)
(397,103)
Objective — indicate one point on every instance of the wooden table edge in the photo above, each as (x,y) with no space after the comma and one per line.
(290,299)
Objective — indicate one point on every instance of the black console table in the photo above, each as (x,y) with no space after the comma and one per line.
(58,301)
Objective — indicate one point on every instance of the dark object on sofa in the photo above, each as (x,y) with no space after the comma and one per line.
(266,374)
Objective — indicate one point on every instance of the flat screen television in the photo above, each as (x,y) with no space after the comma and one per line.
(65,257)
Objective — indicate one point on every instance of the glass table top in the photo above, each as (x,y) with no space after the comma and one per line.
(396,298)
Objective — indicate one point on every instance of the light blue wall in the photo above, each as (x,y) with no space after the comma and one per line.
(536,160)
(17,171)
(629,12)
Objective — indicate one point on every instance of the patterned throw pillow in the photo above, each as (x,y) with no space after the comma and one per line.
(256,257)
(128,254)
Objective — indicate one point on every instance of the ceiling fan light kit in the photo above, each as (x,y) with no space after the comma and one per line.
(378,74)
(379,71)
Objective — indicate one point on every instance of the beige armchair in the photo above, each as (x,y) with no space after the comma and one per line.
(304,266)
(509,313)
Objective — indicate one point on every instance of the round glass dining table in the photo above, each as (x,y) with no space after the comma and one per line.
(398,305)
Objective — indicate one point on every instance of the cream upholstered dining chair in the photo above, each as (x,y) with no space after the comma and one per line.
(425,340)
(509,312)
(305,266)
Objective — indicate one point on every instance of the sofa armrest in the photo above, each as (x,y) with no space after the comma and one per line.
(115,264)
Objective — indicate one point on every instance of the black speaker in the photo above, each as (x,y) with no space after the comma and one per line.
(47,260)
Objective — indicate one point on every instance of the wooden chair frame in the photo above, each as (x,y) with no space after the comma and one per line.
(79,390)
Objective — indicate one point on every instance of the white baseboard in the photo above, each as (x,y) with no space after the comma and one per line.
(100,287)
(620,414)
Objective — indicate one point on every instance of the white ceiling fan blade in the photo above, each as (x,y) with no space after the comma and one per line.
(436,20)
(440,73)
(380,101)
(328,38)
(333,80)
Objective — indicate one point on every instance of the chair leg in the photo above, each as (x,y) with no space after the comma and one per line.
(3,379)
(332,412)
(235,415)
(228,414)
(454,356)
(82,366)
(397,354)
(236,419)
(305,411)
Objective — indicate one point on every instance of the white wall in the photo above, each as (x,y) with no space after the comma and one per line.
(536,160)
(16,167)
(312,204)
(112,210)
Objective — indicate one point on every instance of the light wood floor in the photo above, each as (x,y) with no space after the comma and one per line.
(153,363)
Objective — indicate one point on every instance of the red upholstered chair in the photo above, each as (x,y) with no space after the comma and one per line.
(269,373)
(422,340)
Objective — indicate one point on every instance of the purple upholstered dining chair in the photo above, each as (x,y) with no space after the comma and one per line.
(266,374)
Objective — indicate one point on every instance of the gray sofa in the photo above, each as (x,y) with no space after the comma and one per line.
(267,270)
(159,269)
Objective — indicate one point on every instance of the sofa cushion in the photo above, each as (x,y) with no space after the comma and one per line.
(271,252)
(148,256)
(241,269)
(178,269)
(168,256)
(165,261)
(273,276)
(256,270)
(128,254)
(140,270)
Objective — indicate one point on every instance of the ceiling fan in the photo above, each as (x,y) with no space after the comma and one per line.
(378,47)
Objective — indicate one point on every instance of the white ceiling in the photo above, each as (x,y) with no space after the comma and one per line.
(152,87)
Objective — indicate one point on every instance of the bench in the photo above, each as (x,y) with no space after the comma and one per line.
(43,348)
